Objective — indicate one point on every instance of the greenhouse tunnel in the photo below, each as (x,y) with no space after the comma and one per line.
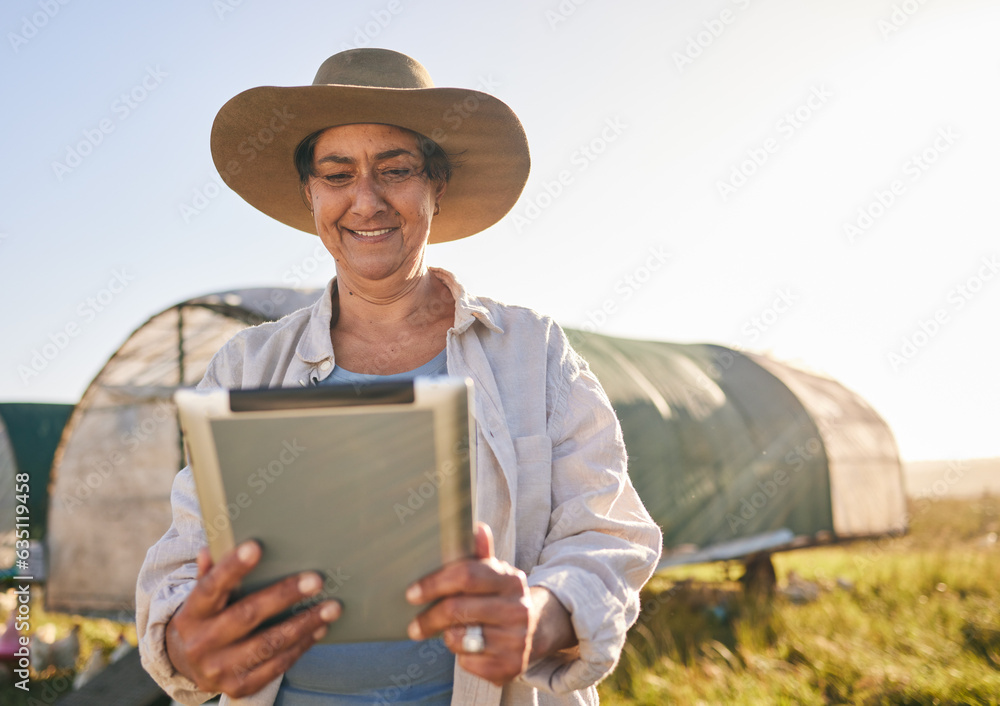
(732,452)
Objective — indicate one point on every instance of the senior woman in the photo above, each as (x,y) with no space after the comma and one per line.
(377,162)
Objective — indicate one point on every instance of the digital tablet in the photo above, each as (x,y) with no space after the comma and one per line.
(369,485)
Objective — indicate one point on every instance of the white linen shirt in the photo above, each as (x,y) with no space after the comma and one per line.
(551,484)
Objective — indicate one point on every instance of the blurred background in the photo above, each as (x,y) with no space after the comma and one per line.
(818,180)
(811,184)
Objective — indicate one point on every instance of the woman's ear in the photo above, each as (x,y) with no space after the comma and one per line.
(306,192)
(442,186)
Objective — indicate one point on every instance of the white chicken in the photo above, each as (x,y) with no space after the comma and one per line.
(95,665)
(47,652)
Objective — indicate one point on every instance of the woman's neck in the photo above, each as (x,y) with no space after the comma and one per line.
(385,332)
(373,306)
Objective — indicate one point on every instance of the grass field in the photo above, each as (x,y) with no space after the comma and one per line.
(52,683)
(909,620)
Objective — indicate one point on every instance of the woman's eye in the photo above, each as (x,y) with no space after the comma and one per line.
(339,178)
(396,174)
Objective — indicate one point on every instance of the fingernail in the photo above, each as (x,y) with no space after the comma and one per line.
(413,630)
(330,611)
(310,584)
(320,632)
(247,552)
(414,594)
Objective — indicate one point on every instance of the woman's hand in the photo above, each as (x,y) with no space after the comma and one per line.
(211,643)
(519,624)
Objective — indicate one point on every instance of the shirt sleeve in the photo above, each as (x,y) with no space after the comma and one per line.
(602,545)
(166,578)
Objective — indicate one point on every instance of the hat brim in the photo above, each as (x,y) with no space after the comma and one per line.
(255,135)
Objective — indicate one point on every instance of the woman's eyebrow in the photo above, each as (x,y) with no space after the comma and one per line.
(389,154)
(336,158)
(381,156)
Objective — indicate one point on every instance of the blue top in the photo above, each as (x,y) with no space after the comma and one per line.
(383,673)
(438,365)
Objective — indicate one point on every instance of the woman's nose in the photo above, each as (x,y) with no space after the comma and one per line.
(368,196)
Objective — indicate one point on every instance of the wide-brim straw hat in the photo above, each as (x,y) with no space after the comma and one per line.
(255,135)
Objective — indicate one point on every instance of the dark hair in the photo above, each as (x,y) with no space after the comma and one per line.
(438,164)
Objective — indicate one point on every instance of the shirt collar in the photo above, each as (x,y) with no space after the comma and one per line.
(467,307)
(315,345)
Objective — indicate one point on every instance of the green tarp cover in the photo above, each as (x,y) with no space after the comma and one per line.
(33,432)
(732,453)
(721,449)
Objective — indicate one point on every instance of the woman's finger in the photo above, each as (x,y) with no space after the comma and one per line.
(511,613)
(271,652)
(211,593)
(244,668)
(459,576)
(249,612)
(218,653)
(497,639)
(204,561)
(498,669)
(241,682)
(470,576)
(484,541)
(206,630)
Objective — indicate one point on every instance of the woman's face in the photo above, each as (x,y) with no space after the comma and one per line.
(371,201)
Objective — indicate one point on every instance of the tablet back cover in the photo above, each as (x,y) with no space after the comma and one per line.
(362,498)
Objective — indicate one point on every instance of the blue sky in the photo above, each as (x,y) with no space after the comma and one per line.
(811,179)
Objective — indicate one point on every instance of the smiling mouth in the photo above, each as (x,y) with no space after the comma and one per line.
(371,233)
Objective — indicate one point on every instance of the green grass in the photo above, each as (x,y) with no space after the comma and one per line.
(914,620)
(917,623)
(49,685)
